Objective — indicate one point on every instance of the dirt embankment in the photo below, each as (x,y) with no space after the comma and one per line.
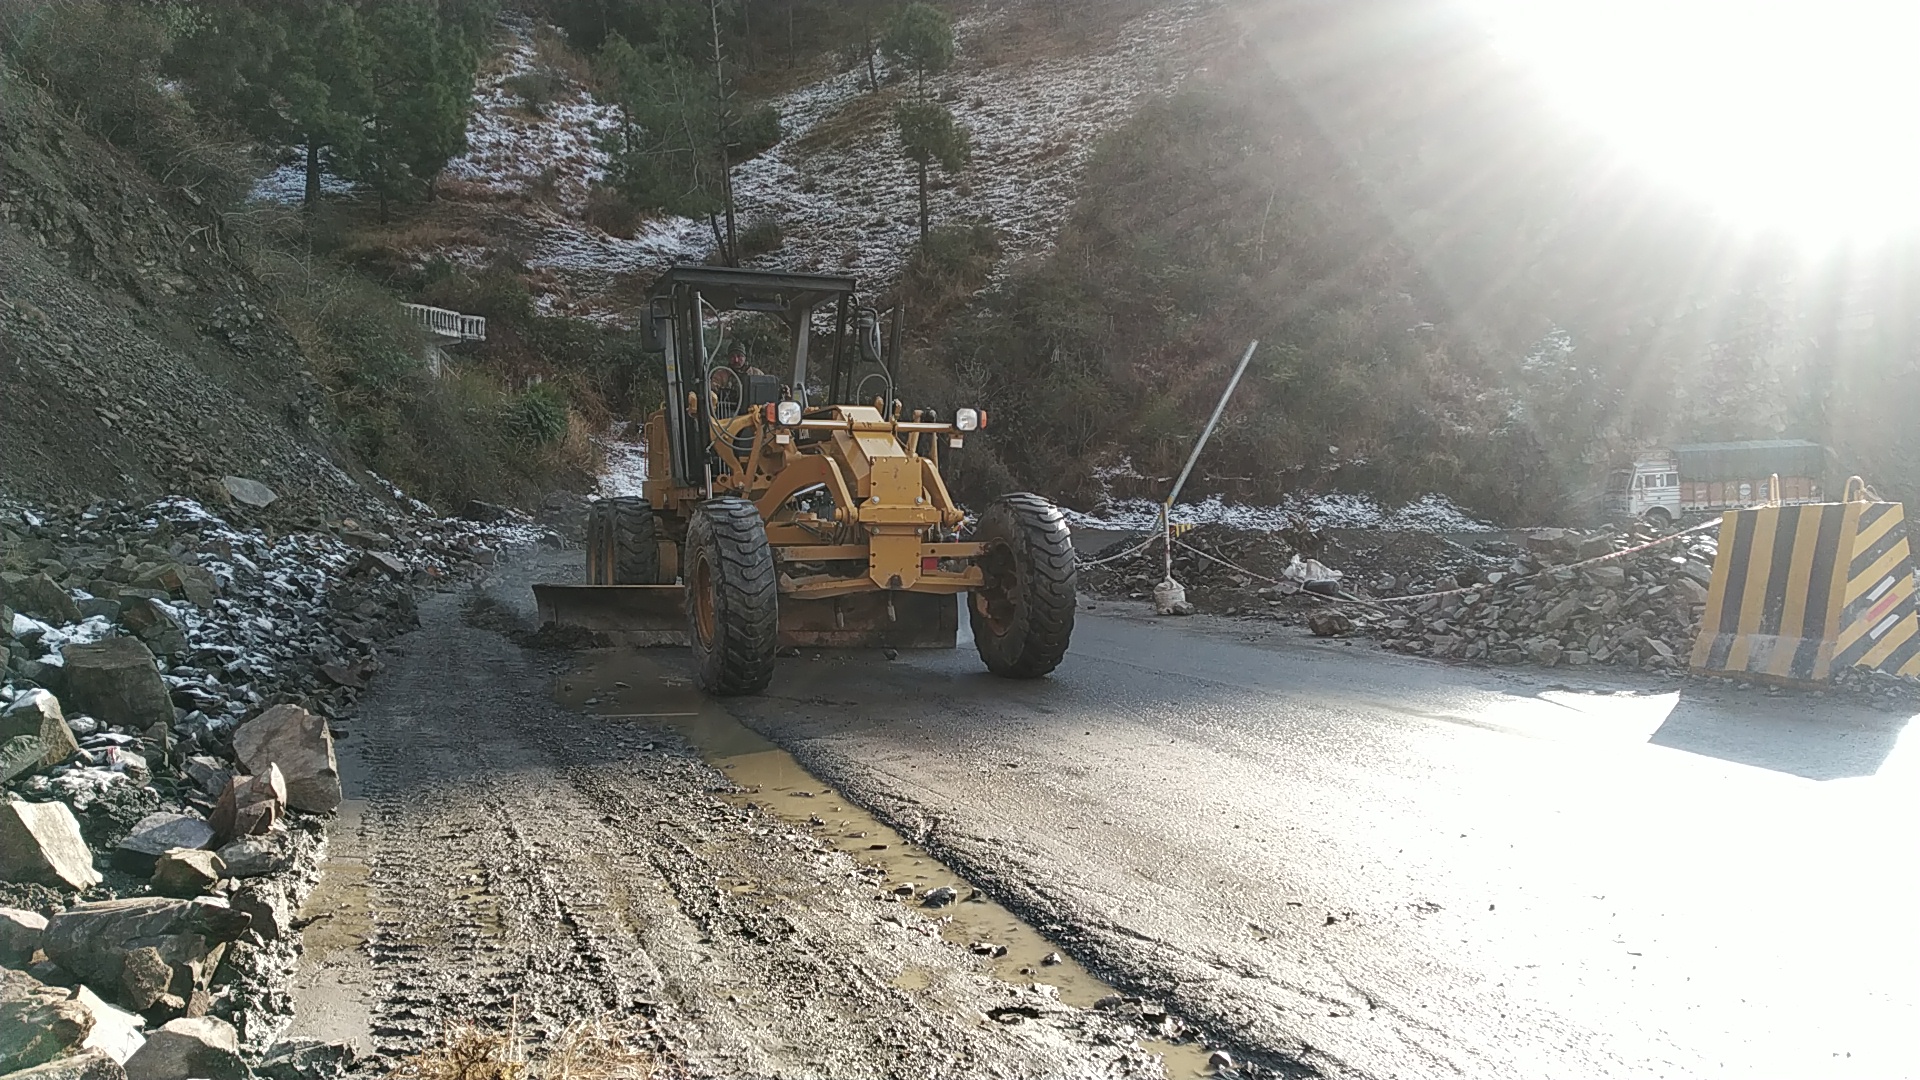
(137,356)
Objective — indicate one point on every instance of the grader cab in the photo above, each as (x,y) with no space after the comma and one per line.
(798,506)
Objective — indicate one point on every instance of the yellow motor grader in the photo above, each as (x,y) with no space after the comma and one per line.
(799,507)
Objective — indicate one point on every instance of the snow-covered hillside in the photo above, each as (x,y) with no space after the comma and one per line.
(845,203)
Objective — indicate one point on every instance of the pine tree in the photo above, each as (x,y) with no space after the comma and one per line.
(929,134)
(291,75)
(682,131)
(920,39)
(420,69)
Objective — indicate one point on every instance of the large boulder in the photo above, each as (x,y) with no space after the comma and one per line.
(155,835)
(256,856)
(39,596)
(299,743)
(248,492)
(181,581)
(197,1048)
(37,1022)
(249,805)
(41,842)
(116,680)
(153,624)
(36,715)
(104,944)
(186,873)
(20,936)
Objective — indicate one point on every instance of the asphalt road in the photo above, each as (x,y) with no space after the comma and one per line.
(1375,866)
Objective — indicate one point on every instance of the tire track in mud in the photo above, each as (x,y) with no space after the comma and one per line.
(529,866)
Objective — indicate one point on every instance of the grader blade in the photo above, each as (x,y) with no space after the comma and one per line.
(656,615)
(642,614)
(900,620)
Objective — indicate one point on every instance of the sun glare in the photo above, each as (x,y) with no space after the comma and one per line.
(1797,116)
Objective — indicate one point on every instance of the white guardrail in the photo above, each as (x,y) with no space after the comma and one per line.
(449,324)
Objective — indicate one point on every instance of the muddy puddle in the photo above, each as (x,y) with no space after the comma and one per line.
(638,686)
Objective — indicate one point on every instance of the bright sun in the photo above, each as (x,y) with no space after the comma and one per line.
(1801,116)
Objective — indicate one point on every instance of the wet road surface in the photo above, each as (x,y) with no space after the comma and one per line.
(1366,865)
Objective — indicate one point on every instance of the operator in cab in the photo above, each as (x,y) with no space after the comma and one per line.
(737,360)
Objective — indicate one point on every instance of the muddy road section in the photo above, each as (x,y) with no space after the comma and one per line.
(1378,866)
(538,837)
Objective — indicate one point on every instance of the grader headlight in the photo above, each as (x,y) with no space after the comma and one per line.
(966,419)
(786,413)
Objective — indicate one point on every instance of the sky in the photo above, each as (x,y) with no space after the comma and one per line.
(1794,117)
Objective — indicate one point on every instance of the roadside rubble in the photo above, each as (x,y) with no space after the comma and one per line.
(174,681)
(1545,597)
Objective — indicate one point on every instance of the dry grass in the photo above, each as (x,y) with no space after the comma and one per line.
(586,1050)
(552,54)
(856,117)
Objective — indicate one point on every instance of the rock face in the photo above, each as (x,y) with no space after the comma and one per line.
(200,1048)
(106,945)
(36,715)
(249,805)
(155,835)
(41,842)
(187,873)
(20,933)
(39,596)
(117,681)
(300,744)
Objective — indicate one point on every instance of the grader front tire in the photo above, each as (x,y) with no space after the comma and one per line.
(1022,616)
(733,611)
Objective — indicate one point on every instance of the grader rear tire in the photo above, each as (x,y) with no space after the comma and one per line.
(633,542)
(733,612)
(1022,617)
(599,563)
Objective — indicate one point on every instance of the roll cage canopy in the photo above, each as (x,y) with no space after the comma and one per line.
(678,310)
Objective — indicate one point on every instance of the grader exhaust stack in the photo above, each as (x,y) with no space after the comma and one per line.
(801,509)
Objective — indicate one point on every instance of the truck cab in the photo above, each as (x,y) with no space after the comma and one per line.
(1648,491)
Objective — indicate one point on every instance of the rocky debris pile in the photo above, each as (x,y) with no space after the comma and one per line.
(173,684)
(1887,691)
(1639,610)
(1382,562)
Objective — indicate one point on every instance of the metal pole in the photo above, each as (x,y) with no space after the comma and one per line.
(1166,509)
(1207,432)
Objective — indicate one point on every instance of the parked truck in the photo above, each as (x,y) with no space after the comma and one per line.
(1665,486)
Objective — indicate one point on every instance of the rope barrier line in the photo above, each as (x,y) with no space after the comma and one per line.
(1349,598)
(1135,550)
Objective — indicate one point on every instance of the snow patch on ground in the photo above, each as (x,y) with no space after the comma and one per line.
(287,183)
(511,149)
(1332,510)
(625,471)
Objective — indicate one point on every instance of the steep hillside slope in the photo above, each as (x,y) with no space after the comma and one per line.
(1036,85)
(136,356)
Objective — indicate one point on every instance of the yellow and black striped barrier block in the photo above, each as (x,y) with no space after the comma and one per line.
(1799,590)
(1179,528)
(1877,624)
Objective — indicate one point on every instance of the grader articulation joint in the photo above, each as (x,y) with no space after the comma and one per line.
(798,507)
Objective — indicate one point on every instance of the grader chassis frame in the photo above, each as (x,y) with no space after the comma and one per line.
(780,513)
